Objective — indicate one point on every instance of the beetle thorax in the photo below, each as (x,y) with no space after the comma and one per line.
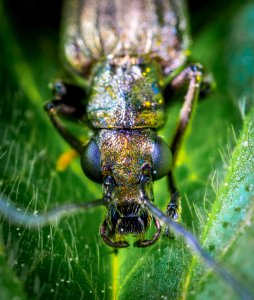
(126,95)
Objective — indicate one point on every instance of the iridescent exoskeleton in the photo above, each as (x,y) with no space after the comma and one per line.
(127,53)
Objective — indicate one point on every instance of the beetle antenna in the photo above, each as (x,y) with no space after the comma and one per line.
(197,249)
(33,220)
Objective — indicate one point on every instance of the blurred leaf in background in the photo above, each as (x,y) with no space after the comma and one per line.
(214,172)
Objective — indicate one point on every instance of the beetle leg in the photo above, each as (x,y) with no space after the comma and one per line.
(173,212)
(146,243)
(174,206)
(192,76)
(69,100)
(103,233)
(65,133)
(62,105)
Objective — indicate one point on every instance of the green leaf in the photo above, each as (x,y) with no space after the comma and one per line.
(10,285)
(228,231)
(70,260)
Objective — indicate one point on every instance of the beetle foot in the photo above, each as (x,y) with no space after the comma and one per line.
(50,107)
(146,243)
(173,212)
(174,206)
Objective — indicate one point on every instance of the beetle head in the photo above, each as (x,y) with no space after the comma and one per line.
(126,162)
(126,214)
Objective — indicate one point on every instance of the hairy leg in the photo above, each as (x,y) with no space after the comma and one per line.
(67,103)
(193,77)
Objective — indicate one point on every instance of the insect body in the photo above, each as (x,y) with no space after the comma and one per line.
(126,107)
(126,50)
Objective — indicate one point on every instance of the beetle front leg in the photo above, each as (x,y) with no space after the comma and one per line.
(63,105)
(192,76)
(65,133)
(173,211)
(174,206)
(68,100)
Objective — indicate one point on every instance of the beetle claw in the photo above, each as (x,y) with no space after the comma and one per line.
(146,243)
(103,233)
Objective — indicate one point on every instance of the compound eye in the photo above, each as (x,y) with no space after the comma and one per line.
(162,159)
(91,162)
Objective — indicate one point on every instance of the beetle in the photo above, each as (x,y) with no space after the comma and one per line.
(132,55)
(126,51)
